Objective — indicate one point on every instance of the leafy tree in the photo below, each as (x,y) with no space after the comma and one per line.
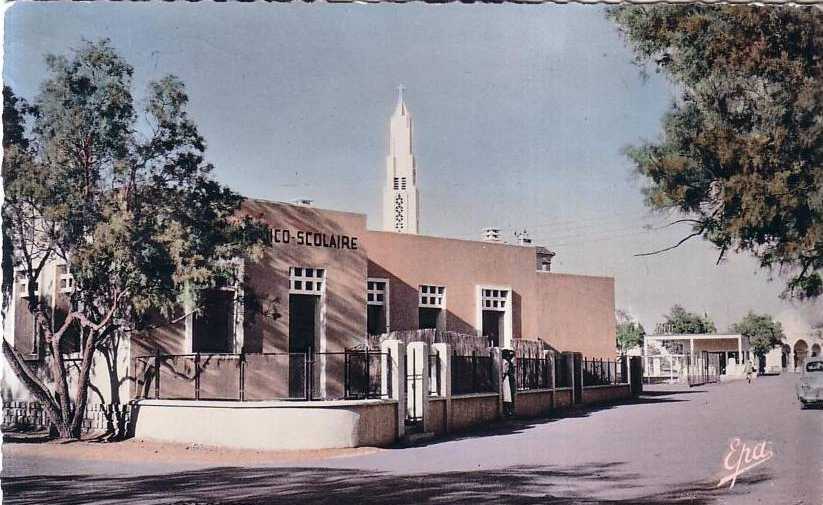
(763,332)
(741,153)
(681,322)
(630,333)
(123,195)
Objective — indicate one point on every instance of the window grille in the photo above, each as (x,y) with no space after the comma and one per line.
(376,293)
(494,299)
(432,296)
(306,280)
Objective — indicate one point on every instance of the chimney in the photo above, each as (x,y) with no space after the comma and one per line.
(523,238)
(491,234)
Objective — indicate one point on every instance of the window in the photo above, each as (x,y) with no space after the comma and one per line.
(399,212)
(306,280)
(495,315)
(431,305)
(213,329)
(66,283)
(396,183)
(402,183)
(432,296)
(494,299)
(23,287)
(377,306)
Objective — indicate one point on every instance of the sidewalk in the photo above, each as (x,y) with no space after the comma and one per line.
(154,452)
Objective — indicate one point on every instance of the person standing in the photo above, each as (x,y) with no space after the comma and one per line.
(749,370)
(509,383)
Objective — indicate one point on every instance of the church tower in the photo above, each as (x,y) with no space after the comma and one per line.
(401,210)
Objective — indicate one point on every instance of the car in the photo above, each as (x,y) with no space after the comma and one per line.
(810,387)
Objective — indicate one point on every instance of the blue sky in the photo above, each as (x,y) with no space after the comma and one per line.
(520,114)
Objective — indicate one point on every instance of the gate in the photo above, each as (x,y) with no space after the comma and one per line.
(416,365)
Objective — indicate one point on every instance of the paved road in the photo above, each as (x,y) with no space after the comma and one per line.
(667,447)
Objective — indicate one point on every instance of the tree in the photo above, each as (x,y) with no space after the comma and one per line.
(123,195)
(741,153)
(630,333)
(763,332)
(681,322)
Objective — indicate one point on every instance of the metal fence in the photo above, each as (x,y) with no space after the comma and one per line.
(600,372)
(534,373)
(352,374)
(473,374)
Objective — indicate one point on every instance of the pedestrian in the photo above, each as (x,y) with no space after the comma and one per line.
(749,369)
(509,381)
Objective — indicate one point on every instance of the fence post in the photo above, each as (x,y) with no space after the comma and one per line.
(393,372)
(368,374)
(444,381)
(550,357)
(242,367)
(197,376)
(156,372)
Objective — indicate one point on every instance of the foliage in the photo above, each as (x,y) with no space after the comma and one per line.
(742,147)
(681,322)
(763,332)
(630,333)
(122,194)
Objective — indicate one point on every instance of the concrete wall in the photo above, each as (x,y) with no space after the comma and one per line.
(437,416)
(469,411)
(563,398)
(268,425)
(606,394)
(536,403)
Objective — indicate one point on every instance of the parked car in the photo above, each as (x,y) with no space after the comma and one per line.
(810,387)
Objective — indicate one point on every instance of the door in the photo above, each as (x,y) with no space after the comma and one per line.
(492,324)
(302,337)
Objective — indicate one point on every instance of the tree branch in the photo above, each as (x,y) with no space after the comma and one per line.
(678,244)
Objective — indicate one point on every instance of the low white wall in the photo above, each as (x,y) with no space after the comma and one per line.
(268,425)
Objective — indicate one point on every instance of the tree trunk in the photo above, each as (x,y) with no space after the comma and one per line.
(39,390)
(82,391)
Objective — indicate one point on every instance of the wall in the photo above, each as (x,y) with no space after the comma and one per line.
(437,416)
(570,312)
(536,403)
(468,411)
(576,313)
(268,425)
(562,398)
(606,394)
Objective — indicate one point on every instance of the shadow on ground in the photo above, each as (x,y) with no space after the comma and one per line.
(261,486)
(521,424)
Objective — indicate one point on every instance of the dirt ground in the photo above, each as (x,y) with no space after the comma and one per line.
(154,452)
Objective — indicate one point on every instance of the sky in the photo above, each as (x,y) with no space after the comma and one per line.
(521,113)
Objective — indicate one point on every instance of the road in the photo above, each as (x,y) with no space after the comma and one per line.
(667,447)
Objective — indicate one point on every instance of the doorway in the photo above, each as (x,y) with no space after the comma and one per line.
(493,326)
(428,318)
(304,321)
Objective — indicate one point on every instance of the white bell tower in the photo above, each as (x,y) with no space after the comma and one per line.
(401,210)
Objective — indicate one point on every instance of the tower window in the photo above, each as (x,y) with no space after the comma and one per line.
(396,183)
(402,183)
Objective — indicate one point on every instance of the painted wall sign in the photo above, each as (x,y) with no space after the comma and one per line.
(313,239)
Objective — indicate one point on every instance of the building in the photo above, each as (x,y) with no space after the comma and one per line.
(324,284)
(685,357)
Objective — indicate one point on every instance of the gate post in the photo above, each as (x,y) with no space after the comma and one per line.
(419,395)
(392,377)
(443,352)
